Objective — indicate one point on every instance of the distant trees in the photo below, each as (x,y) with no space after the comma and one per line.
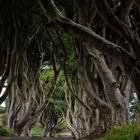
(55,110)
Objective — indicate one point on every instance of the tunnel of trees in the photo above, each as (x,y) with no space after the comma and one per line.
(89,48)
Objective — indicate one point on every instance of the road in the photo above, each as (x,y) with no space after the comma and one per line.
(61,136)
(35,138)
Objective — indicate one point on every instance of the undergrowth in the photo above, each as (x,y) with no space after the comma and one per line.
(6,132)
(124,132)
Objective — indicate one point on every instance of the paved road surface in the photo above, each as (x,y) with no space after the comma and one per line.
(67,135)
(29,138)
(61,136)
(34,138)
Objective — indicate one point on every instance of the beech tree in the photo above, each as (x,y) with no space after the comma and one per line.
(107,44)
(22,53)
(128,59)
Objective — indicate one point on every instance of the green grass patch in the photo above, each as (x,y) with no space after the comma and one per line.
(62,128)
(124,132)
(6,132)
(37,131)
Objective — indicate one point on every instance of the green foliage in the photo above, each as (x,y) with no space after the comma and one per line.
(71,63)
(124,132)
(2,110)
(3,119)
(6,132)
(62,128)
(46,73)
(37,130)
(57,104)
(134,109)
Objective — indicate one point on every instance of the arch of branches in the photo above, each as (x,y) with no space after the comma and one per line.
(97,46)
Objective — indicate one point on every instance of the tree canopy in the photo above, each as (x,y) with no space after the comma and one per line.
(90,48)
